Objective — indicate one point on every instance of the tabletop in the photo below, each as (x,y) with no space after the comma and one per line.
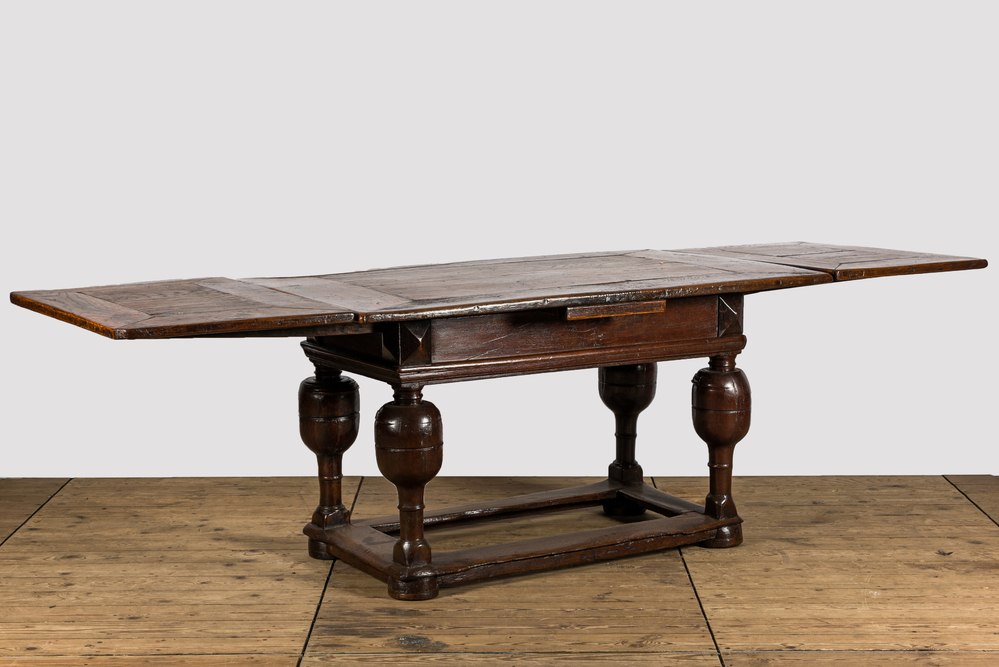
(322,304)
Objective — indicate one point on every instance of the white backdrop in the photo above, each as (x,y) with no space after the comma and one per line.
(148,141)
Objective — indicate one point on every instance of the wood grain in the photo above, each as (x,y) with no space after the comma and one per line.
(835,563)
(542,659)
(846,262)
(508,335)
(983,490)
(163,566)
(213,306)
(180,308)
(861,658)
(834,571)
(216,660)
(593,282)
(20,498)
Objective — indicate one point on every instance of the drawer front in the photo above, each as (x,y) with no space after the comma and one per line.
(507,335)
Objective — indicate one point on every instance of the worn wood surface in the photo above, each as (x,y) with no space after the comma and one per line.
(212,660)
(20,498)
(507,334)
(834,571)
(180,308)
(329,354)
(163,566)
(862,659)
(983,490)
(590,284)
(832,563)
(846,262)
(543,659)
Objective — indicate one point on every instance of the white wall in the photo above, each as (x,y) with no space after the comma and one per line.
(147,141)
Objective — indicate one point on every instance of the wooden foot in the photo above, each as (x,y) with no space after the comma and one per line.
(626,390)
(721,412)
(409,450)
(329,416)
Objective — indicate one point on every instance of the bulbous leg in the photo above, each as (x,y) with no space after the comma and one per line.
(329,416)
(409,450)
(721,411)
(626,390)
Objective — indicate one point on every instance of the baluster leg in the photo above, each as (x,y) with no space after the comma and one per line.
(721,411)
(409,449)
(626,390)
(329,416)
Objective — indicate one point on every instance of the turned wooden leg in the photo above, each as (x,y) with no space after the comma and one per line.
(329,415)
(721,410)
(409,449)
(626,390)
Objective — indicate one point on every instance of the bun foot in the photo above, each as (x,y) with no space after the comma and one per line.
(424,588)
(727,536)
(319,551)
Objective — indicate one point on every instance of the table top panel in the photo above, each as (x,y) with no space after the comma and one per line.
(166,309)
(288,306)
(845,262)
(445,290)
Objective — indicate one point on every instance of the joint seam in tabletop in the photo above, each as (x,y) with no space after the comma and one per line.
(697,596)
(326,585)
(977,506)
(13,532)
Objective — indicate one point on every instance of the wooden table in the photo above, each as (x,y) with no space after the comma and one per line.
(619,312)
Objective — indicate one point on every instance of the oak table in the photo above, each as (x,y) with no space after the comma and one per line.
(619,312)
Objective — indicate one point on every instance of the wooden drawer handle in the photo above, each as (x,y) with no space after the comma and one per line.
(614,310)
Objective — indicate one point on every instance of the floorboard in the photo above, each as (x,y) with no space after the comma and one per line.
(197,572)
(211,660)
(163,566)
(983,490)
(840,563)
(20,498)
(862,659)
(541,659)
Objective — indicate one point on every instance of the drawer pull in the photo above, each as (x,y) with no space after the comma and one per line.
(614,310)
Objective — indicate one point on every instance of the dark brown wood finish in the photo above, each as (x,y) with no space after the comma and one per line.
(329,417)
(627,391)
(216,306)
(451,349)
(845,262)
(619,312)
(720,402)
(181,308)
(409,444)
(588,285)
(324,351)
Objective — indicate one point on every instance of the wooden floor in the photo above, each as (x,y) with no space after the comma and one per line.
(197,572)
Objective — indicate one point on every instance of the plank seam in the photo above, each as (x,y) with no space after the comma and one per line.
(959,490)
(885,651)
(322,595)
(701,606)
(13,532)
(697,596)
(450,654)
